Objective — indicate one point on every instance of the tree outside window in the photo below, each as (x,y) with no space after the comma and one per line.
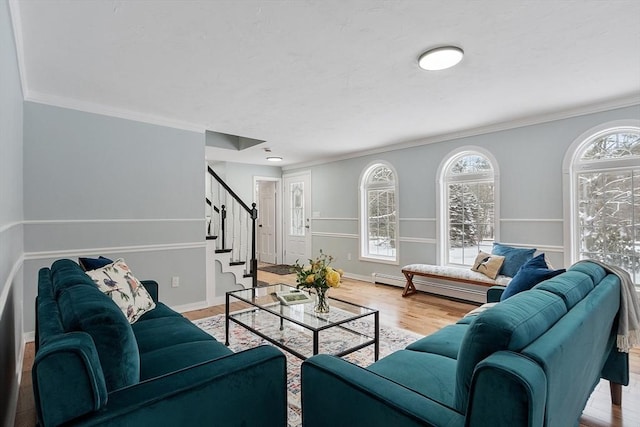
(379,234)
(607,199)
(470,209)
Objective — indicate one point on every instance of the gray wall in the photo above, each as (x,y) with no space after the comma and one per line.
(98,185)
(11,240)
(240,176)
(531,199)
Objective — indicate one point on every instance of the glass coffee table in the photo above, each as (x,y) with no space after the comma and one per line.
(297,328)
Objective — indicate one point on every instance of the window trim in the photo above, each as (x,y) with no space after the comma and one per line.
(442,193)
(572,165)
(363,238)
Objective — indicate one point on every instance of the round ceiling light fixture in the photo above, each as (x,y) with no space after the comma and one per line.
(440,58)
(274,159)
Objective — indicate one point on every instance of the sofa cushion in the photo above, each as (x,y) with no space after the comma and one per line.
(592,270)
(488,264)
(85,308)
(164,332)
(571,287)
(170,359)
(445,342)
(514,258)
(66,273)
(509,325)
(530,274)
(118,282)
(161,310)
(429,374)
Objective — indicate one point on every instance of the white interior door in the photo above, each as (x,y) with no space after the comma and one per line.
(297,224)
(267,221)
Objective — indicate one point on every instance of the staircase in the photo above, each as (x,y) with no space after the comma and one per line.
(231,229)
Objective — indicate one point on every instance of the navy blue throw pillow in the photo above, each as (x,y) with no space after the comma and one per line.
(89,264)
(529,275)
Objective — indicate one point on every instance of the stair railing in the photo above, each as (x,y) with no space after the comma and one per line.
(235,210)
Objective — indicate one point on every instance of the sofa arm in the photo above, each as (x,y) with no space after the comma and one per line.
(152,287)
(507,389)
(246,388)
(494,293)
(336,392)
(67,378)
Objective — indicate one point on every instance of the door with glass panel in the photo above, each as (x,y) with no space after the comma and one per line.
(297,224)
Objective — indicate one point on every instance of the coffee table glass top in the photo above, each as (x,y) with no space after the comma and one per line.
(297,328)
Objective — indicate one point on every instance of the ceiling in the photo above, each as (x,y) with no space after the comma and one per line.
(328,79)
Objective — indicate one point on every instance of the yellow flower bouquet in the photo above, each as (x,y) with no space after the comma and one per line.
(319,276)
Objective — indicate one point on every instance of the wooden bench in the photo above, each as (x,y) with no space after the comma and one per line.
(449,273)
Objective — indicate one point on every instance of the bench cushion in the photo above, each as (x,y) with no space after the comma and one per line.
(458,273)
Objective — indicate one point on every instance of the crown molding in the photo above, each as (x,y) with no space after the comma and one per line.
(610,104)
(105,110)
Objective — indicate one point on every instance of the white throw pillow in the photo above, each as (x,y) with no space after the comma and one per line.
(117,281)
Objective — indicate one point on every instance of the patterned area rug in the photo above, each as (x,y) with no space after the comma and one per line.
(391,339)
(281,269)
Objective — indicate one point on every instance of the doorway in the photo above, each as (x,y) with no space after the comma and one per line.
(268,234)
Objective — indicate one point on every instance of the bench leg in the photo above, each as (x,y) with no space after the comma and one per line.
(409,287)
(616,393)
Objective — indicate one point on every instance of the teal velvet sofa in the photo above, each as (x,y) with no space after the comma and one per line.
(94,368)
(530,360)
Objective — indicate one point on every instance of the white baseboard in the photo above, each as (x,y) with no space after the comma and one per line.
(360,277)
(29,337)
(190,307)
(217,301)
(463,291)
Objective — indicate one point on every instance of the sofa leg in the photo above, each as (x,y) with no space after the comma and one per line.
(616,393)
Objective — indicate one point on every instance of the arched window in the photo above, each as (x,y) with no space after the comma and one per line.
(467,207)
(379,213)
(605,188)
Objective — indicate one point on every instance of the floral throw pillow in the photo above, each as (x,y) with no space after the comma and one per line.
(117,281)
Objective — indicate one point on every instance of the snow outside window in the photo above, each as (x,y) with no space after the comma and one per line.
(606,198)
(469,213)
(379,219)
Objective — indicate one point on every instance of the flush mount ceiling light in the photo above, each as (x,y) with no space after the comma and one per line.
(440,58)
(274,159)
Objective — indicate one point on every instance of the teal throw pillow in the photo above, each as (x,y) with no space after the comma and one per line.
(514,258)
(529,275)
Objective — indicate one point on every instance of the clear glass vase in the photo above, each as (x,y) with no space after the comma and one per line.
(322,301)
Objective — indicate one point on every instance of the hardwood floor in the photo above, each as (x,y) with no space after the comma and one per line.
(421,313)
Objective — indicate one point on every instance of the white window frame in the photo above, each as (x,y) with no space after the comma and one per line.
(572,166)
(363,217)
(442,196)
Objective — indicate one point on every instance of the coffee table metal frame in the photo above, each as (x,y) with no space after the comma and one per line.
(275,308)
